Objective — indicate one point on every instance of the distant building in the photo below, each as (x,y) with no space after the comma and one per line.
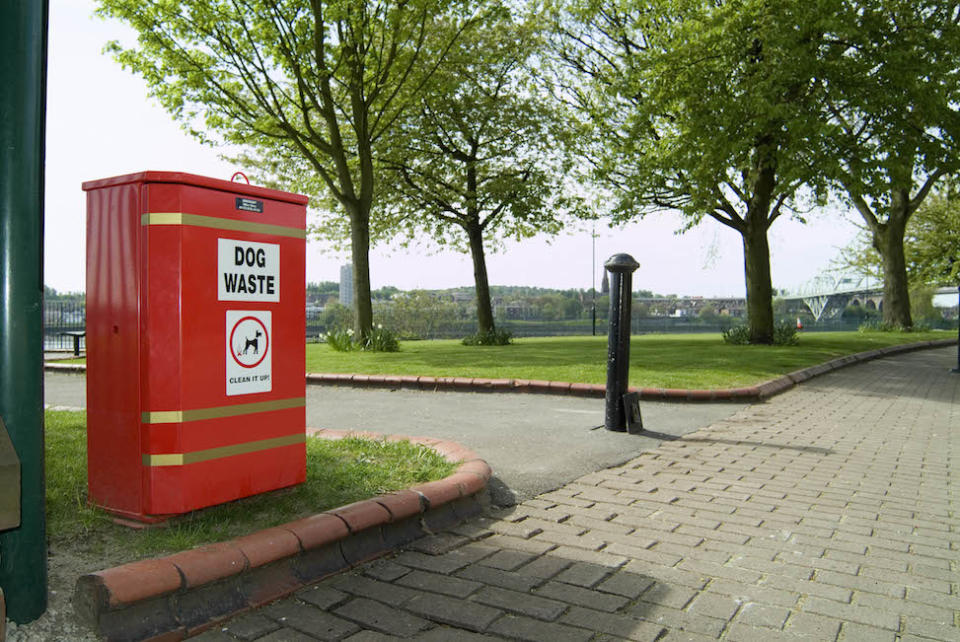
(346,284)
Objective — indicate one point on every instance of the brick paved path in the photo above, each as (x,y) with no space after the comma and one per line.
(829,512)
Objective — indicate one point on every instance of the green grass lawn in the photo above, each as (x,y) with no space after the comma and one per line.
(694,361)
(338,473)
(656,360)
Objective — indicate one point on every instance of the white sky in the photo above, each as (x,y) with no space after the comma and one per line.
(100,123)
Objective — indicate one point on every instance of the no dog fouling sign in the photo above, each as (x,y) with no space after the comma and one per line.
(248,352)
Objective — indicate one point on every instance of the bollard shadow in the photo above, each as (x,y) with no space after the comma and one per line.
(500,494)
(652,434)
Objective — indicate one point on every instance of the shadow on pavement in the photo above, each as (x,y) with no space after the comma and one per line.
(733,442)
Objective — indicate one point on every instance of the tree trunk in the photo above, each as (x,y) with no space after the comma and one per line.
(756,265)
(360,217)
(756,248)
(484,309)
(360,251)
(888,241)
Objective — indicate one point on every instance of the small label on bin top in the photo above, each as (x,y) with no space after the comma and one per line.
(249,205)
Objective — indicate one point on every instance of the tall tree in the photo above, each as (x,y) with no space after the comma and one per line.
(931,246)
(932,242)
(700,106)
(892,78)
(312,85)
(479,160)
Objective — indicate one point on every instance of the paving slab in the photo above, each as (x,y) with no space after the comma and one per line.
(830,512)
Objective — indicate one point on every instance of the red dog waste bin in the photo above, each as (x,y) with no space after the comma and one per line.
(195,342)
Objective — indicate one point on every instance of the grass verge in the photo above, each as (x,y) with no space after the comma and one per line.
(695,361)
(338,473)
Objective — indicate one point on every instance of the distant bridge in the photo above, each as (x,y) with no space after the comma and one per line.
(827,295)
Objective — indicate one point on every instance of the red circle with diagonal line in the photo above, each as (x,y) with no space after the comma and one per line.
(266,343)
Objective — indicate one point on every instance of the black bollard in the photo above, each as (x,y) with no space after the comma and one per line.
(621,268)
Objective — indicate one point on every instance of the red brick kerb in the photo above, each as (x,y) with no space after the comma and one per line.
(180,595)
(748,393)
(467,384)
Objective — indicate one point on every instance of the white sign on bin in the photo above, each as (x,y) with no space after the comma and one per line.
(249,348)
(248,271)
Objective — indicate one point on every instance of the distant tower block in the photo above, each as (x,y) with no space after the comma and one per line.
(346,284)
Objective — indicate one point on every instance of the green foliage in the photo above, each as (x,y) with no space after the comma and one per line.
(307,91)
(479,161)
(491,338)
(65,443)
(481,152)
(932,242)
(892,70)
(784,334)
(656,360)
(314,290)
(689,100)
(892,73)
(921,305)
(340,339)
(381,340)
(738,335)
(50,294)
(335,315)
(860,257)
(385,293)
(931,248)
(708,314)
(879,325)
(338,473)
(700,106)
(418,313)
(931,245)
(860,312)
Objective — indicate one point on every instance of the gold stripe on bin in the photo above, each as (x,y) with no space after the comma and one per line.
(231,225)
(236,410)
(197,456)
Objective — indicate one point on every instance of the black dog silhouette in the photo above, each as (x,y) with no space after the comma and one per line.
(252,343)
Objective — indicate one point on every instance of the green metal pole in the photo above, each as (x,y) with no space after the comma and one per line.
(23,68)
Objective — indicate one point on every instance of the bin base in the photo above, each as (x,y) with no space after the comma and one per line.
(135,520)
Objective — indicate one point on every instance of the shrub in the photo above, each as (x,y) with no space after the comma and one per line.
(382,340)
(878,325)
(340,340)
(784,334)
(738,335)
(491,338)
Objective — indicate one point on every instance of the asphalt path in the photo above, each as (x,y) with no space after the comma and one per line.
(534,443)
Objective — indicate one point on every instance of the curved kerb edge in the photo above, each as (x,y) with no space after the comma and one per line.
(748,393)
(467,384)
(179,595)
